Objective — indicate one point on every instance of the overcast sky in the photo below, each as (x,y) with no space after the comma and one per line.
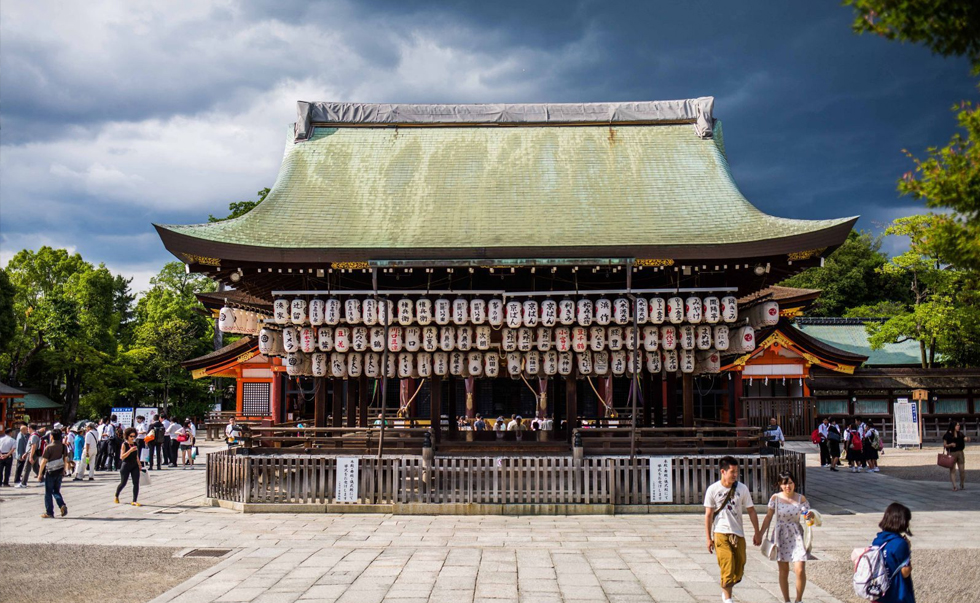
(114,115)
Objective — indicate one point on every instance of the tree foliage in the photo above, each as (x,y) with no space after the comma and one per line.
(240,208)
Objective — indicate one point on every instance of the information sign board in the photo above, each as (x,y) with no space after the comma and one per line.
(907,432)
(346,489)
(661,479)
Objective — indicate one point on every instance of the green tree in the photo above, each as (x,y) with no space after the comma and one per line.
(850,277)
(8,318)
(240,208)
(947,27)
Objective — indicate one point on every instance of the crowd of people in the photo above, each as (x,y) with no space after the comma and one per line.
(502,423)
(858,443)
(86,447)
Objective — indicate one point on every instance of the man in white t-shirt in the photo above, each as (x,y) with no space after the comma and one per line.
(171,433)
(89,454)
(724,503)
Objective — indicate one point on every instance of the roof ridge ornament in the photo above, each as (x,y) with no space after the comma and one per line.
(698,111)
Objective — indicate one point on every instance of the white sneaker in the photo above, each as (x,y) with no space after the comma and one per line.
(18,485)
(877,470)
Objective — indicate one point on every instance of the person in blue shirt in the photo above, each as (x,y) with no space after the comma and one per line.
(78,447)
(894,543)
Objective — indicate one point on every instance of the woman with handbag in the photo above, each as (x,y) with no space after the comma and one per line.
(185,440)
(786,545)
(954,443)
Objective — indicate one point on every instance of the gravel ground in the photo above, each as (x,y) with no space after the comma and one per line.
(940,576)
(107,574)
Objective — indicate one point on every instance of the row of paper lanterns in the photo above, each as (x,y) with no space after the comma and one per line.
(244,322)
(562,339)
(493,364)
(514,314)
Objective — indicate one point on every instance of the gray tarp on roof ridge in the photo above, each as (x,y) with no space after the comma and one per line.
(698,111)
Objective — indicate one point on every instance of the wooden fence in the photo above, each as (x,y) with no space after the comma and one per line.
(796,416)
(547,480)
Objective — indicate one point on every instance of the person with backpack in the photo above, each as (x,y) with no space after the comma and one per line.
(52,470)
(854,446)
(156,442)
(833,443)
(774,435)
(724,502)
(129,456)
(883,571)
(871,446)
(787,507)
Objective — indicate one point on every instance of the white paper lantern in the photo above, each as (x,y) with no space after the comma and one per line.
(395,339)
(704,337)
(597,338)
(474,364)
(251,323)
(241,319)
(549,362)
(600,363)
(447,339)
(658,310)
(294,364)
(391,367)
(563,339)
(491,364)
(580,339)
(549,313)
(307,339)
(324,339)
(423,311)
(721,338)
(631,361)
(693,310)
(290,340)
(413,338)
(464,338)
(508,339)
(478,311)
(642,310)
(369,311)
(267,342)
(386,312)
(603,311)
(338,365)
(729,309)
(514,313)
(654,364)
(376,339)
(764,315)
(675,310)
(671,365)
(318,312)
(709,362)
(430,338)
(668,337)
(542,340)
(280,311)
(443,311)
(525,339)
(628,336)
(584,312)
(297,311)
(532,363)
(712,310)
(530,311)
(352,311)
(331,311)
(226,320)
(621,311)
(482,333)
(566,363)
(405,311)
(372,365)
(359,340)
(355,364)
(406,365)
(514,363)
(743,340)
(566,312)
(495,312)
(277,349)
(615,338)
(423,362)
(687,337)
(320,362)
(461,311)
(341,339)
(651,338)
(617,362)
(584,362)
(686,358)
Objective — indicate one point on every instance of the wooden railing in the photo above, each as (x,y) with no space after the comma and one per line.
(671,440)
(563,480)
(354,440)
(796,416)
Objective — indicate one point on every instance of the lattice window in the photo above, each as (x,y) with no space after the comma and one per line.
(255,399)
(832,407)
(950,407)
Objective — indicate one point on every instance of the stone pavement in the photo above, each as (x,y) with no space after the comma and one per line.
(363,558)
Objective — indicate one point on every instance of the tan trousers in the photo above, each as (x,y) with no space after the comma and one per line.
(960,461)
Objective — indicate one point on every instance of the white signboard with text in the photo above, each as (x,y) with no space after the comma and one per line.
(661,479)
(346,489)
(125,416)
(907,418)
(147,413)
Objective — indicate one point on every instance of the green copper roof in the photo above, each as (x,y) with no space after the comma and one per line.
(650,186)
(850,335)
(35,401)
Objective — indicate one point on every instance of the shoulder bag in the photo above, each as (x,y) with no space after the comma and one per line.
(770,550)
(944,459)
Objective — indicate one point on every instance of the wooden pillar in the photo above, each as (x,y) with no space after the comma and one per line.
(970,402)
(687,385)
(571,405)
(435,407)
(363,397)
(276,398)
(451,414)
(336,394)
(320,402)
(670,398)
(351,387)
(737,396)
(655,393)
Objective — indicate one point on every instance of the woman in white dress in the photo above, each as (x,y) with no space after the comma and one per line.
(789,508)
